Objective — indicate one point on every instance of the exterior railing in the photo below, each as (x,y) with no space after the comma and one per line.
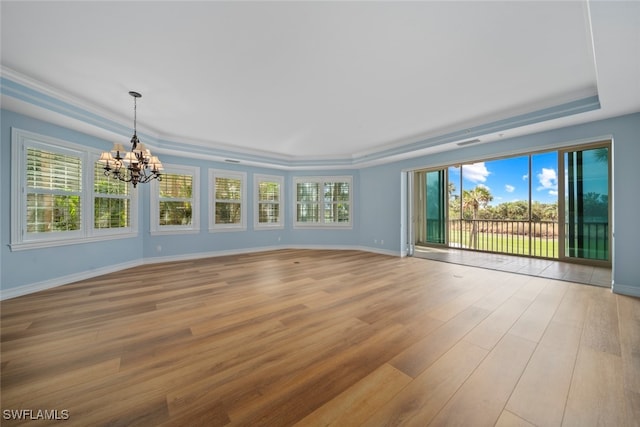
(588,240)
(530,238)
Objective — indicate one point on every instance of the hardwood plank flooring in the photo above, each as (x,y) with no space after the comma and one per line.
(319,338)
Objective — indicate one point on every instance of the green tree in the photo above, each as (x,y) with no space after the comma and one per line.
(474,200)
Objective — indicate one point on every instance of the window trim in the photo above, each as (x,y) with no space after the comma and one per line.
(242,226)
(129,231)
(154,208)
(20,141)
(257,179)
(321,204)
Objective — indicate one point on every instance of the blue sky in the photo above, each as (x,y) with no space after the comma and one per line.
(508,179)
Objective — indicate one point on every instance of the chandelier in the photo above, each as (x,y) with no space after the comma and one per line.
(135,166)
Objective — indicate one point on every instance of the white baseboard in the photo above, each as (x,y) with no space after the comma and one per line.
(65,280)
(346,248)
(632,291)
(211,254)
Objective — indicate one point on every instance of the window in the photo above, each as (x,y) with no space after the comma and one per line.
(268,201)
(174,201)
(111,201)
(53,190)
(323,201)
(60,196)
(227,200)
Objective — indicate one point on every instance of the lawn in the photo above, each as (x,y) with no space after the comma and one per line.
(516,244)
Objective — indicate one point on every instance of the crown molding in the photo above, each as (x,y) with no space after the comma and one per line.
(41,100)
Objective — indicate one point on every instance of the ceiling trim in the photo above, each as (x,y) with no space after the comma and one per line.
(38,96)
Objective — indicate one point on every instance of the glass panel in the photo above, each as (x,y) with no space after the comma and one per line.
(587,204)
(53,171)
(111,212)
(455,216)
(268,213)
(175,213)
(336,191)
(176,186)
(307,191)
(436,208)
(336,212)
(269,191)
(228,213)
(105,185)
(307,212)
(228,188)
(476,196)
(544,205)
(50,212)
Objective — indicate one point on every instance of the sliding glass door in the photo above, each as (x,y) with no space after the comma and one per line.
(587,204)
(431,207)
(436,207)
(552,204)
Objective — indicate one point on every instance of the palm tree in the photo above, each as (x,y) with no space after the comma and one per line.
(475,199)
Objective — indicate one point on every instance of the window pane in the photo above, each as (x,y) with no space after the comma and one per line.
(105,185)
(587,204)
(228,188)
(228,213)
(308,212)
(269,191)
(268,213)
(435,206)
(176,186)
(111,212)
(336,191)
(336,212)
(50,212)
(175,213)
(53,171)
(308,191)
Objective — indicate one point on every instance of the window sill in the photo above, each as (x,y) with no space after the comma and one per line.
(175,231)
(322,226)
(52,243)
(226,229)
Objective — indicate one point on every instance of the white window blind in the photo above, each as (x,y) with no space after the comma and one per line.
(111,201)
(323,201)
(53,191)
(268,201)
(228,201)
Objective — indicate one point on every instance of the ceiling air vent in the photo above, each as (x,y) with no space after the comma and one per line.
(232,161)
(471,141)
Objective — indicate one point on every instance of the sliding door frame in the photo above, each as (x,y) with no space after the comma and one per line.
(416,194)
(562,198)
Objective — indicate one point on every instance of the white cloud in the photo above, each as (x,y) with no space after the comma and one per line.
(483,186)
(476,172)
(509,188)
(525,177)
(553,192)
(548,180)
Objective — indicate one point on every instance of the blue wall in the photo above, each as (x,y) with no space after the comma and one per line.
(33,269)
(382,216)
(377,208)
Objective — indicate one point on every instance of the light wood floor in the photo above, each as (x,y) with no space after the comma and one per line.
(316,338)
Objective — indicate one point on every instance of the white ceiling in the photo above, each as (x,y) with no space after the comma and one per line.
(321,80)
